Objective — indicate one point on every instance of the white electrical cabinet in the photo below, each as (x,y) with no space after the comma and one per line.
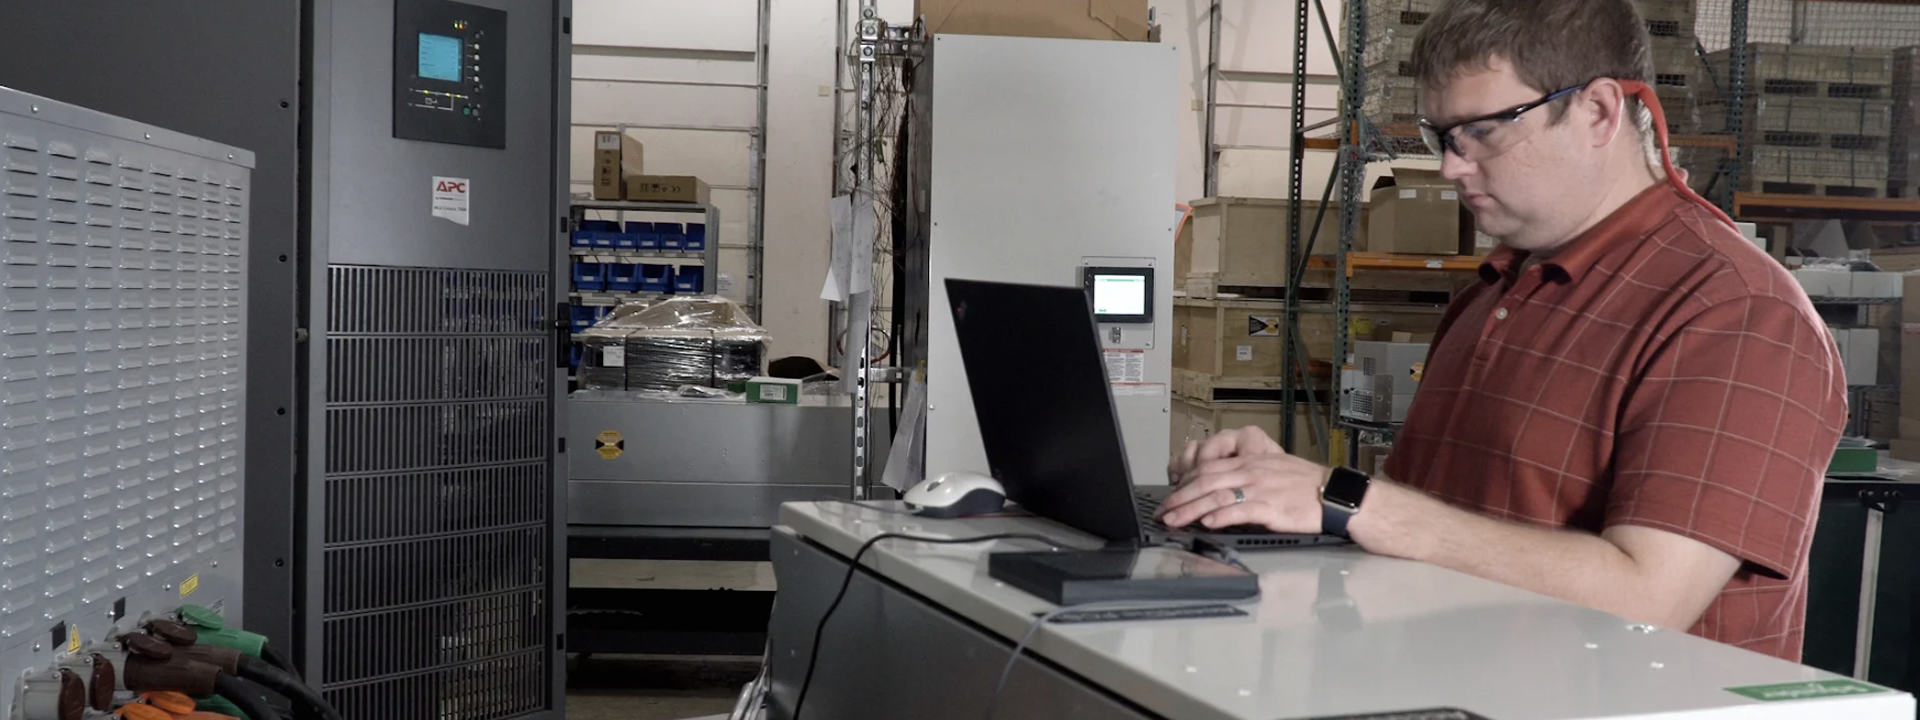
(1045,161)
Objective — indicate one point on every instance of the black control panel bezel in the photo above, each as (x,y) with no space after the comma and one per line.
(471,111)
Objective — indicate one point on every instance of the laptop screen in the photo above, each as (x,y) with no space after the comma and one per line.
(1039,387)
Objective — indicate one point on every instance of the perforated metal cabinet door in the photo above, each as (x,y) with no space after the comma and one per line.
(432,584)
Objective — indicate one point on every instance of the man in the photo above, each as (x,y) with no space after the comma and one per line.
(1632,411)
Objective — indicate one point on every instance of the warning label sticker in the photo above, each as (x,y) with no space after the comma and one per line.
(1126,366)
(609,444)
(1263,325)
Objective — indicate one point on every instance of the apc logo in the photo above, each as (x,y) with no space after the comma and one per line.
(451,186)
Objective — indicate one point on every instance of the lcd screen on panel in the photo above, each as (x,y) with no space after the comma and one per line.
(1119,295)
(439,57)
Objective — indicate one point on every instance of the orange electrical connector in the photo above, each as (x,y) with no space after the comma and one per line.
(172,702)
(142,711)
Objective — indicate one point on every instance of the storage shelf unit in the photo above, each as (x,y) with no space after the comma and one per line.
(591,299)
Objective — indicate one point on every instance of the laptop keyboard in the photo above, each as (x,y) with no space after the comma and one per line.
(1146,504)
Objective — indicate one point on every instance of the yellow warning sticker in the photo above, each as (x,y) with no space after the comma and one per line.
(73,639)
(187,588)
(609,444)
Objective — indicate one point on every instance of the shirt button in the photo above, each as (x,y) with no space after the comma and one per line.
(1500,314)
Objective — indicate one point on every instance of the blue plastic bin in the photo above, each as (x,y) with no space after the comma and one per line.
(632,237)
(584,317)
(690,279)
(656,278)
(672,236)
(695,239)
(589,277)
(595,233)
(623,277)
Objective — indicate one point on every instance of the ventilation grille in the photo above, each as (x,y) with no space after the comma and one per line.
(428,437)
(438,519)
(391,575)
(403,507)
(501,687)
(436,369)
(425,301)
(441,635)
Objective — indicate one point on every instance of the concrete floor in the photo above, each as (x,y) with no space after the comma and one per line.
(654,687)
(626,687)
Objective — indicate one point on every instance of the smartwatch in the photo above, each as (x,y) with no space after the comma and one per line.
(1340,499)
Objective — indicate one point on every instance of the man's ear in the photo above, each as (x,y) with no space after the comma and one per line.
(1602,109)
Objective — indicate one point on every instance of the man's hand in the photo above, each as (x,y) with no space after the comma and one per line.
(1272,489)
(1232,443)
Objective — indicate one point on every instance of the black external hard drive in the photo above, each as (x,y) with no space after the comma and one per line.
(1122,575)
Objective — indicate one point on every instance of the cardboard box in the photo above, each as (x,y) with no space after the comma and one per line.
(1875,285)
(1910,373)
(1910,298)
(1070,19)
(1243,241)
(1863,356)
(1824,282)
(1417,212)
(1194,420)
(1373,459)
(1481,245)
(667,188)
(615,156)
(1904,449)
(777,391)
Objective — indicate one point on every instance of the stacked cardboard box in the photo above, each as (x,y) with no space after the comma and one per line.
(1904,148)
(1670,35)
(1818,119)
(1907,446)
(1391,28)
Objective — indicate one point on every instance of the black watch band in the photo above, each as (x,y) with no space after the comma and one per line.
(1340,499)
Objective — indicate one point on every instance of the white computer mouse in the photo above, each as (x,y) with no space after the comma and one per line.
(956,494)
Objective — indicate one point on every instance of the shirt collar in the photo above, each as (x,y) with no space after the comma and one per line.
(1636,219)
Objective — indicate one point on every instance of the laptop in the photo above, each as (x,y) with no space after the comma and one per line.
(1047,419)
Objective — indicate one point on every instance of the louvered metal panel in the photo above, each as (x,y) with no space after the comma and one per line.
(437,528)
(122,375)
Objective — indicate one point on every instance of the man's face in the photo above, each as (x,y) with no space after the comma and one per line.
(1521,178)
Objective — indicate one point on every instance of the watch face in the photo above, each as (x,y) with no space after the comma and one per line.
(1346,488)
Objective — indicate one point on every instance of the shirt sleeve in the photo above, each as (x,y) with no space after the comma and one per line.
(1727,434)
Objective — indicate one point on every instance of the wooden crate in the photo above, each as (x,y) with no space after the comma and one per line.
(1212,388)
(1229,340)
(1421,287)
(1243,242)
(1195,420)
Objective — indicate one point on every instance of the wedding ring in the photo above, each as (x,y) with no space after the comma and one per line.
(1238,496)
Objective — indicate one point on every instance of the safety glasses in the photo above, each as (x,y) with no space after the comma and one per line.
(1489,135)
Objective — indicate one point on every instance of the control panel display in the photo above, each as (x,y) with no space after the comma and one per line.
(1120,294)
(449,73)
(440,57)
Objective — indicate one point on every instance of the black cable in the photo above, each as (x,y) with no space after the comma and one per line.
(819,632)
(244,695)
(274,679)
(274,658)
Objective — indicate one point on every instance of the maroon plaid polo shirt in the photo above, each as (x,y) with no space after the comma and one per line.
(1660,371)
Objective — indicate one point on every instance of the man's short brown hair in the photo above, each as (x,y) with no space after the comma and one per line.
(1553,44)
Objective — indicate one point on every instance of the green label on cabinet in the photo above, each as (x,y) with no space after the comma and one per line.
(1805,690)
